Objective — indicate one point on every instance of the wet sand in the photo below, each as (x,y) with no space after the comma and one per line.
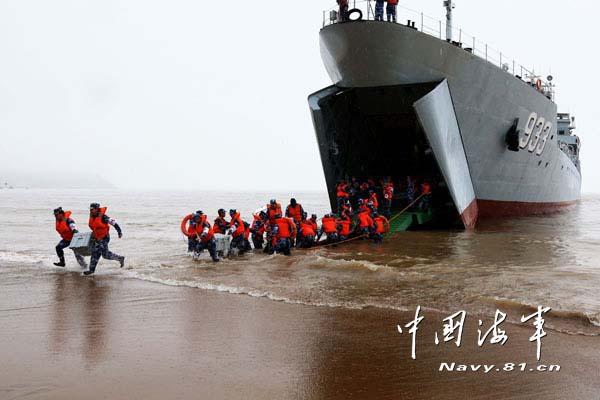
(64,336)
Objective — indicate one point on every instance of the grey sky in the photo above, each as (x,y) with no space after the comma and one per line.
(213,94)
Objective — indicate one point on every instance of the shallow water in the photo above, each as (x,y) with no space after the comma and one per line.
(510,264)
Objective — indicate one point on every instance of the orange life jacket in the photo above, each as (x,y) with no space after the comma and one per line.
(426,188)
(99,228)
(365,220)
(287,228)
(272,211)
(258,225)
(209,235)
(388,192)
(219,225)
(381,224)
(374,200)
(328,224)
(345,226)
(307,228)
(295,212)
(240,230)
(392,2)
(63,229)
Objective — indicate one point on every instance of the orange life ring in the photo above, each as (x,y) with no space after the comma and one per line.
(184,225)
(538,84)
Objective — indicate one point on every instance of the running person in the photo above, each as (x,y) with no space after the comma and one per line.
(65,226)
(100,224)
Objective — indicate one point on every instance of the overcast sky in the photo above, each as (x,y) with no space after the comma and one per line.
(212,95)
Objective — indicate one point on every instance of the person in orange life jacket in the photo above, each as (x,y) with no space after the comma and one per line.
(273,208)
(258,229)
(329,228)
(65,226)
(294,210)
(381,226)
(247,245)
(362,206)
(391,8)
(100,224)
(237,229)
(205,235)
(341,193)
(425,202)
(373,199)
(194,222)
(284,229)
(343,13)
(388,196)
(344,225)
(306,233)
(221,225)
(365,222)
(346,210)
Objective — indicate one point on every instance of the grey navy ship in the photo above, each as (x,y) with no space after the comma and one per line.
(406,101)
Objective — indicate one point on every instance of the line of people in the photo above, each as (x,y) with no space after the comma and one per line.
(391,10)
(275,231)
(99,223)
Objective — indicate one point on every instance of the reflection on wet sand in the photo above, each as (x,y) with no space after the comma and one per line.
(79,310)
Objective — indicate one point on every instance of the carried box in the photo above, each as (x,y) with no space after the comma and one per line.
(80,244)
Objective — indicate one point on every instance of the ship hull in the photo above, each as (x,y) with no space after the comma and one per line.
(486,101)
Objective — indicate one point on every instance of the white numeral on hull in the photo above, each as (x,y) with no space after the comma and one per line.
(535,134)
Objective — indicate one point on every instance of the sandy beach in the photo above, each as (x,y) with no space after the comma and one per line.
(65,336)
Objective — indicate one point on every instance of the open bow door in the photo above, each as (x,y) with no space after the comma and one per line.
(438,119)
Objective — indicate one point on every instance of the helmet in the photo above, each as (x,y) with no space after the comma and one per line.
(262,214)
(314,216)
(272,202)
(94,206)
(199,212)
(221,212)
(232,211)
(58,210)
(293,201)
(304,215)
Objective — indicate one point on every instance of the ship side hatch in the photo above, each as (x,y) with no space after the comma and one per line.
(377,133)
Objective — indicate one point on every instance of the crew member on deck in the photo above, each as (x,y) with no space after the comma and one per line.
(425,202)
(343,13)
(392,5)
(65,226)
(100,224)
(294,211)
(379,10)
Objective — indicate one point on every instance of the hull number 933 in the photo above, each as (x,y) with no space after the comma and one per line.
(536,133)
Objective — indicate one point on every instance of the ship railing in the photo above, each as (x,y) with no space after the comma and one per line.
(434,27)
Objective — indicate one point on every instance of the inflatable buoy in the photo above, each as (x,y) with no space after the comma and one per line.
(538,84)
(184,224)
(355,11)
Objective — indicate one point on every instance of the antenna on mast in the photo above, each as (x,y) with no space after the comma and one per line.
(449,4)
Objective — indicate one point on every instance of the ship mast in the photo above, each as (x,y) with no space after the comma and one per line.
(449,4)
